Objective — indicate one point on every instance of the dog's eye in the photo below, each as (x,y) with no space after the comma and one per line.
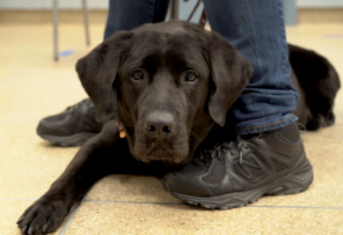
(137,75)
(191,77)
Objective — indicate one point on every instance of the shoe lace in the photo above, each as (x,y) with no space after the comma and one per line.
(86,102)
(219,150)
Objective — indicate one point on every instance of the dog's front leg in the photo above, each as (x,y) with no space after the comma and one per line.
(104,154)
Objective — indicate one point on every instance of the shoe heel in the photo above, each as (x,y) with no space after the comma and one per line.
(292,184)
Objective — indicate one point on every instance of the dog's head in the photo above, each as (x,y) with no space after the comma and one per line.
(168,83)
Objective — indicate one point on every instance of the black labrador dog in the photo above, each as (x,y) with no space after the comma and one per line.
(167,84)
(317,83)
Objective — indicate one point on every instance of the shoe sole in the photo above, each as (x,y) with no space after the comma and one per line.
(290,184)
(68,141)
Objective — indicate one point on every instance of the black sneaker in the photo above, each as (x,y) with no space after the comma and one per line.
(72,127)
(237,173)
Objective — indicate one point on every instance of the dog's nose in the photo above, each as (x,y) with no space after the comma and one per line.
(159,124)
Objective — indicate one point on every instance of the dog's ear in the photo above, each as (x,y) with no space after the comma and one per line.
(230,73)
(98,70)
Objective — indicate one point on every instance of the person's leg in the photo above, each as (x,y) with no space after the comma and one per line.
(77,124)
(268,156)
(257,30)
(129,14)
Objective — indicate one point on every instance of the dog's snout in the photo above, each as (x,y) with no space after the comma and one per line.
(159,124)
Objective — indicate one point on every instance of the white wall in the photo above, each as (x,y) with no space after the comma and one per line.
(185,7)
(47,4)
(103,4)
(318,3)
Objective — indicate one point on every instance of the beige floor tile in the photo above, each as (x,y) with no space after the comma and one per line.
(28,165)
(338,116)
(131,189)
(46,93)
(99,218)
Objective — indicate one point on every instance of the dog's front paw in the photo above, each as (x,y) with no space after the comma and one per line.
(44,216)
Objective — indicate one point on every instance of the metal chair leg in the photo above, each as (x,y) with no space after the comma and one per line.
(174,12)
(85,18)
(194,10)
(55,23)
(203,19)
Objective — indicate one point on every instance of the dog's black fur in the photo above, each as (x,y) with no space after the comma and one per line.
(165,60)
(179,71)
(318,83)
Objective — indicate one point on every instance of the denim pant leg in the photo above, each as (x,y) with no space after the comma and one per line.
(129,14)
(257,30)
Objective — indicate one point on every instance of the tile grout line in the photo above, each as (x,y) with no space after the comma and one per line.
(164,203)
(298,207)
(72,215)
(184,204)
(65,227)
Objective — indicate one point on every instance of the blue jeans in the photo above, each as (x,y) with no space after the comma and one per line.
(257,30)
(129,14)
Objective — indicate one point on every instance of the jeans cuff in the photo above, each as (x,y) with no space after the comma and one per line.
(270,126)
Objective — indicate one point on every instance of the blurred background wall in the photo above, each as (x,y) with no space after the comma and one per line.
(295,10)
(102,4)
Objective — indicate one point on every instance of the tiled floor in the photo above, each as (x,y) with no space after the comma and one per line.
(33,86)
